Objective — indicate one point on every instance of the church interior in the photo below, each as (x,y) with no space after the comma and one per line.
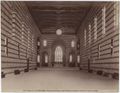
(59,46)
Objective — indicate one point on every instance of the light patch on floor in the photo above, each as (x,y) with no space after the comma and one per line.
(56,79)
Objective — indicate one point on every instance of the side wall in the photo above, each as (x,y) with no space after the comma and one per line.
(102,55)
(18,37)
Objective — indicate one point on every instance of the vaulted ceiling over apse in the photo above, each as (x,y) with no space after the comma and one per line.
(52,15)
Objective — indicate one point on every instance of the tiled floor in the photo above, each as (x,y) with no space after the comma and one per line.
(58,79)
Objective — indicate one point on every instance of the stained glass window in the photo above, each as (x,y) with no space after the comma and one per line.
(38,58)
(45,43)
(78,58)
(70,57)
(73,44)
(59,32)
(58,54)
(46,58)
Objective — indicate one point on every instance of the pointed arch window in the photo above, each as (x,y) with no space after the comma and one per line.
(58,54)
(95,28)
(70,58)
(89,33)
(44,43)
(85,32)
(103,20)
(78,59)
(72,43)
(38,58)
(46,58)
(13,24)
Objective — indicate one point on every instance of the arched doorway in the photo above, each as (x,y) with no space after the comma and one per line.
(72,59)
(44,59)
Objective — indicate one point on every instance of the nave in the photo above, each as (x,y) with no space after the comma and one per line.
(59,46)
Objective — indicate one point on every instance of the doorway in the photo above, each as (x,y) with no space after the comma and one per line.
(45,59)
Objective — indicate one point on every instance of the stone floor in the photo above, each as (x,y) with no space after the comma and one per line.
(52,79)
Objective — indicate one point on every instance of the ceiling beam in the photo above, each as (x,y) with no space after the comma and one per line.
(62,14)
(43,13)
(60,21)
(59,18)
(56,8)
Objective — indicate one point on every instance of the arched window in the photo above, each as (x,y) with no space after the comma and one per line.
(95,28)
(70,58)
(78,59)
(89,33)
(58,54)
(22,32)
(44,43)
(38,43)
(85,36)
(28,39)
(103,19)
(38,58)
(73,44)
(13,24)
(46,58)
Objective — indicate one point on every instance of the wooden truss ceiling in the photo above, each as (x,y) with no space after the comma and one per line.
(52,15)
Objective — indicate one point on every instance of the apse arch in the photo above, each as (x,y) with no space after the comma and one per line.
(58,54)
(60,44)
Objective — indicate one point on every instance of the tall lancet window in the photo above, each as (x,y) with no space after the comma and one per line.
(46,58)
(103,20)
(58,54)
(89,33)
(85,37)
(44,43)
(95,28)
(78,58)
(72,43)
(38,58)
(70,58)
(14,25)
